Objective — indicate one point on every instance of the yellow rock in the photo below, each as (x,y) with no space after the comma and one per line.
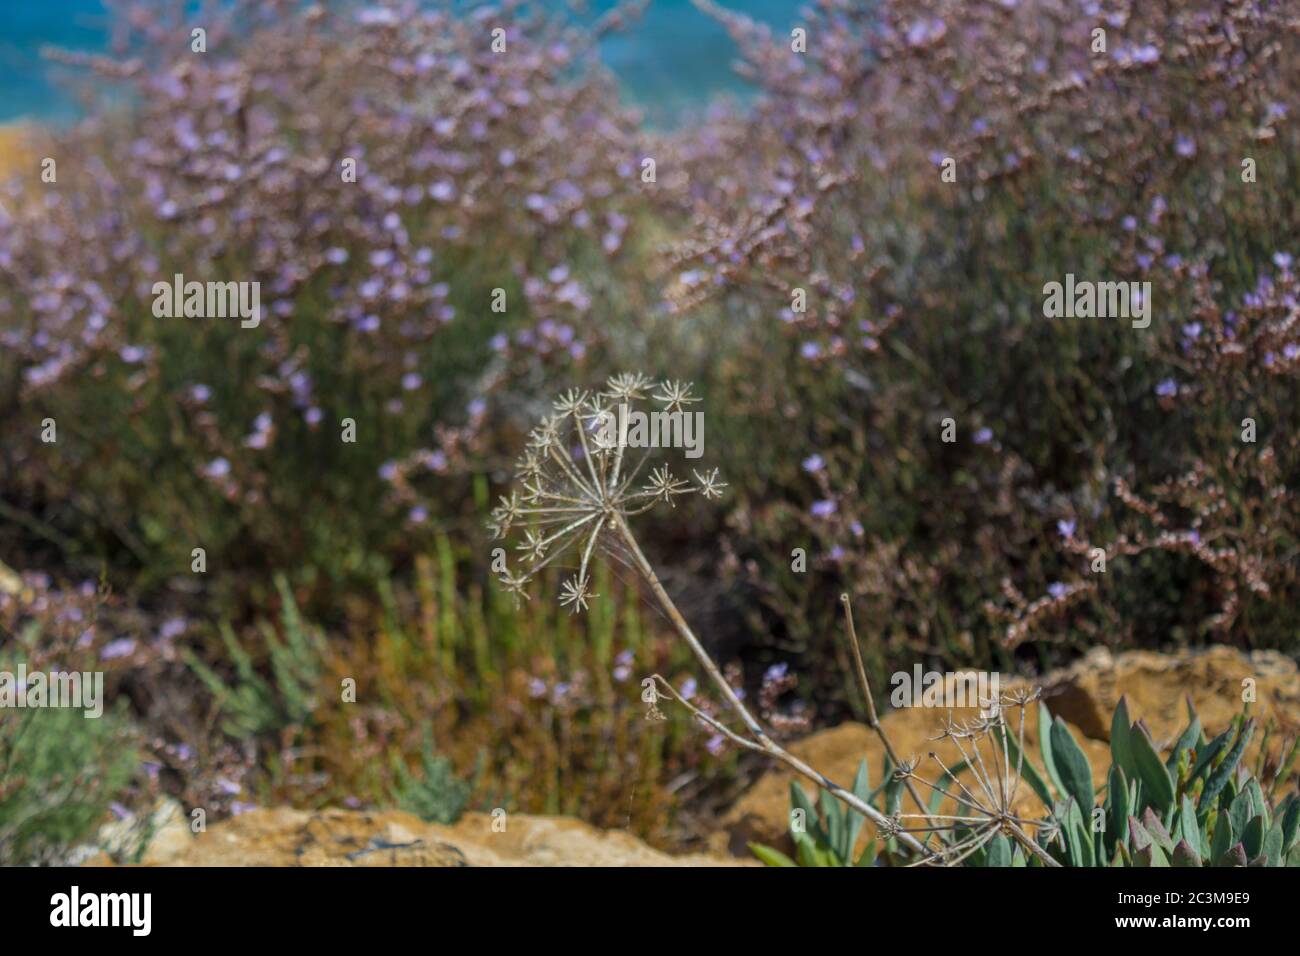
(285,837)
(15,147)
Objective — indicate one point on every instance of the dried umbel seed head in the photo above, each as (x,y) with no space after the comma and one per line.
(582,476)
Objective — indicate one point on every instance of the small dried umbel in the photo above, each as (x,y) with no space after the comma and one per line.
(578,484)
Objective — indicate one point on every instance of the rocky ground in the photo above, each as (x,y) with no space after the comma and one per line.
(1157,688)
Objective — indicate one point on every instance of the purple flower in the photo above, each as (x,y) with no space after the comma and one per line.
(217,468)
(172,628)
(1066,527)
(1282,260)
(536,688)
(1167,388)
(824,508)
(715,744)
(776,672)
(983,436)
(1184,146)
(688,688)
(1057,590)
(813,464)
(122,647)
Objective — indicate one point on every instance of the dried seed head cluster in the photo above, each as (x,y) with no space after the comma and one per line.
(579,482)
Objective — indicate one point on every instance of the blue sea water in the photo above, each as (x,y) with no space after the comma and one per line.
(672,60)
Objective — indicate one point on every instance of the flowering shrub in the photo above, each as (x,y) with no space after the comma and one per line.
(921,302)
(380,173)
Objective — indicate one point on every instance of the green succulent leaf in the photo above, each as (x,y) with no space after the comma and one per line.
(1075,773)
(1271,851)
(1253,838)
(1157,785)
(1189,829)
(999,852)
(1184,855)
(1236,856)
(1205,755)
(1290,822)
(1121,749)
(1191,737)
(769,856)
(1045,747)
(1218,779)
(1157,830)
(1117,806)
(1224,837)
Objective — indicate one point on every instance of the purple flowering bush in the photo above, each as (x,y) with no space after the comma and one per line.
(923,302)
(473,172)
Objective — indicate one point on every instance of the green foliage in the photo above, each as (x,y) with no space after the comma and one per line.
(826,833)
(1199,806)
(254,704)
(59,770)
(435,794)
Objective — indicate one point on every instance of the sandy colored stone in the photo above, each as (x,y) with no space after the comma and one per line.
(15,148)
(286,837)
(1084,696)
(1158,685)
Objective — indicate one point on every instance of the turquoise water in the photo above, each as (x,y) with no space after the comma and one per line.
(672,60)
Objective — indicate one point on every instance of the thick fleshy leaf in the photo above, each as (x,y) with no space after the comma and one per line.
(1045,747)
(1290,822)
(1121,751)
(1117,807)
(1272,848)
(769,856)
(861,789)
(999,852)
(1240,812)
(1236,856)
(1253,839)
(1218,778)
(1224,838)
(1189,829)
(1184,855)
(1157,830)
(1191,737)
(1157,785)
(1072,766)
(799,800)
(1205,755)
